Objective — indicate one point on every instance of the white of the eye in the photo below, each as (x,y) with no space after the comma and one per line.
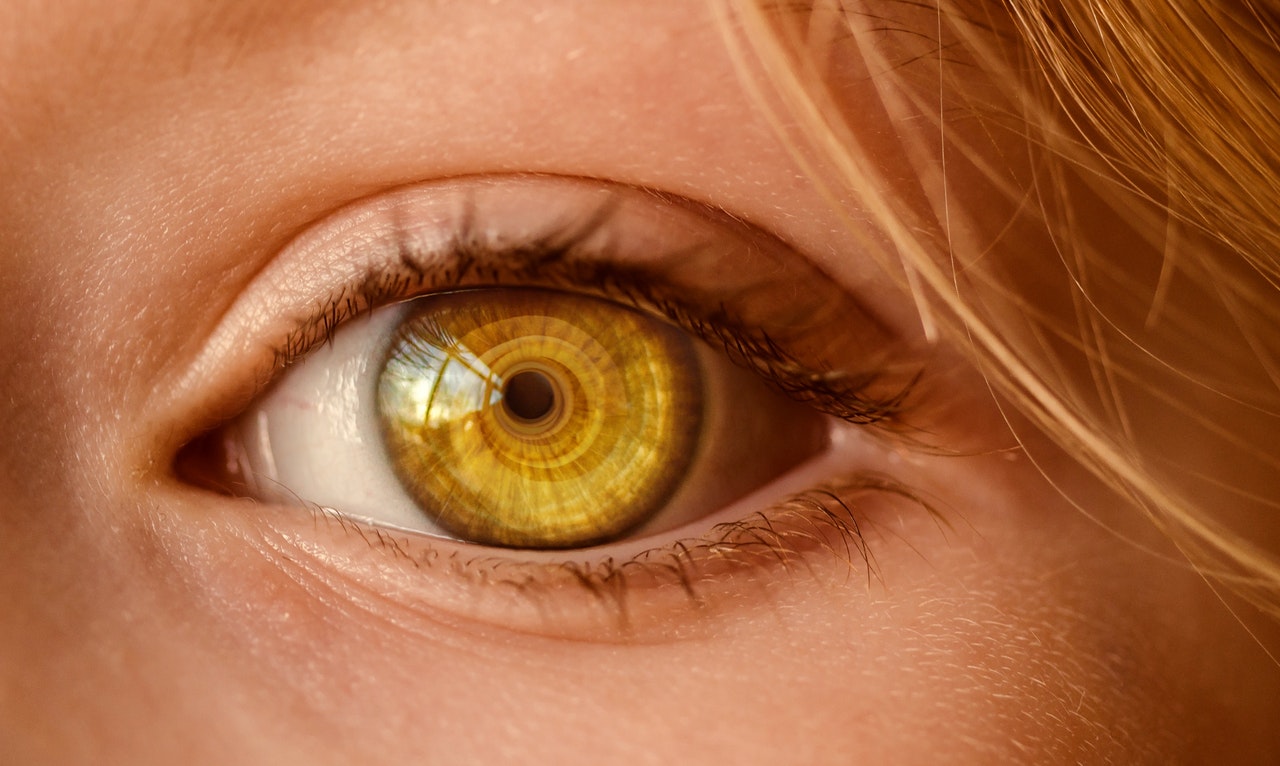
(315,436)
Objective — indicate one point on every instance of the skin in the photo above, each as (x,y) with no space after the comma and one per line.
(153,161)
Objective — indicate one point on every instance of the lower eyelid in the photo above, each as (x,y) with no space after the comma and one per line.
(810,532)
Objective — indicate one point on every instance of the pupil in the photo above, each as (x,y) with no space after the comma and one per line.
(528,395)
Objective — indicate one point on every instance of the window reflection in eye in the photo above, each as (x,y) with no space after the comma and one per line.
(543,363)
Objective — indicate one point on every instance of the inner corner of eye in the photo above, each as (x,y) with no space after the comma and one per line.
(518,418)
(214,461)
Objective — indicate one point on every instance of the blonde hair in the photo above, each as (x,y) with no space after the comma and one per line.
(1132,149)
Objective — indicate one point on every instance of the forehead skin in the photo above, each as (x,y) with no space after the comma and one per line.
(155,156)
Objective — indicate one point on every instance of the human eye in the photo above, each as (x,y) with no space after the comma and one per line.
(546,380)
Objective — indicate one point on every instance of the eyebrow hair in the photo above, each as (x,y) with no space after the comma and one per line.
(242,26)
(223,32)
(158,35)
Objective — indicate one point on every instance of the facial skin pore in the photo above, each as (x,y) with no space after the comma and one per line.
(155,157)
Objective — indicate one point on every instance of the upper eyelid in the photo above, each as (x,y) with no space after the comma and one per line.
(239,359)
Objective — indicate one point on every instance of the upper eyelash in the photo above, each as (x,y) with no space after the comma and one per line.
(556,260)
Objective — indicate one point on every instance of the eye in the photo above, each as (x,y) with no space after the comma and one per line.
(540,363)
(511,417)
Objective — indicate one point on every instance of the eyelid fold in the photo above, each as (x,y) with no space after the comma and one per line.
(729,282)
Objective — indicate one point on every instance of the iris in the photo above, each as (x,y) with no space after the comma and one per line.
(536,419)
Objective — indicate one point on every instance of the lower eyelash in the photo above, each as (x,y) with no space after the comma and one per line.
(785,540)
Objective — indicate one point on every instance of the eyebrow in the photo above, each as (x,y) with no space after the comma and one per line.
(184,34)
(235,28)
(60,59)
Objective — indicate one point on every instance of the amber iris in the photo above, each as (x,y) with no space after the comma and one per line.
(539,419)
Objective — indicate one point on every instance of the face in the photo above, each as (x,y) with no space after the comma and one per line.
(212,217)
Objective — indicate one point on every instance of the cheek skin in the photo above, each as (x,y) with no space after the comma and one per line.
(991,643)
